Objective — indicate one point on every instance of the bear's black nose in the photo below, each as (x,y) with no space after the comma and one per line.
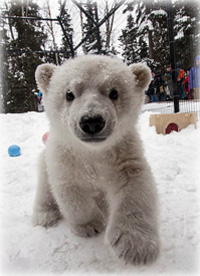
(92,125)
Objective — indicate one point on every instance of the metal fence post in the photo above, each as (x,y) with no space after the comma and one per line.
(172,54)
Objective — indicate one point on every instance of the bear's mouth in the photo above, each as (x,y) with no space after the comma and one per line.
(92,139)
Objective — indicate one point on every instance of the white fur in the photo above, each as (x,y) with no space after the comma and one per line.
(97,185)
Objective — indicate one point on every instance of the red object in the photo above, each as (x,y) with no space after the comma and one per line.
(186,85)
(181,75)
(45,137)
(171,127)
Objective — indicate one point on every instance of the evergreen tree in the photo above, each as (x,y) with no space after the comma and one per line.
(187,33)
(97,42)
(129,41)
(160,36)
(142,48)
(66,21)
(142,11)
(151,24)
(151,20)
(28,36)
(94,42)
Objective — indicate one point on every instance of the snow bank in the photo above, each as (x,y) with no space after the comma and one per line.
(174,159)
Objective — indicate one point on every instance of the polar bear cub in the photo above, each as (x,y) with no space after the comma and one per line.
(93,171)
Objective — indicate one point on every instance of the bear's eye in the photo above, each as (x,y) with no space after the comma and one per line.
(113,94)
(70,96)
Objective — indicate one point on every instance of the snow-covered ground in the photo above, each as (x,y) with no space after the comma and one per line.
(174,159)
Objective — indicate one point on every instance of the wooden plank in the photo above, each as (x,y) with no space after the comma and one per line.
(182,120)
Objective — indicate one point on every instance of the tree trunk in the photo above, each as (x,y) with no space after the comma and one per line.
(109,25)
(82,32)
(50,25)
(27,3)
(150,33)
(10,25)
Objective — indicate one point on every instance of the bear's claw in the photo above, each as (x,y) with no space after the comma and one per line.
(134,247)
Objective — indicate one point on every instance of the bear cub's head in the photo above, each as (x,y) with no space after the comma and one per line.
(92,98)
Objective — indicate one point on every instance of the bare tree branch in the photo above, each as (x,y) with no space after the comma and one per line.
(51,30)
(9,23)
(82,32)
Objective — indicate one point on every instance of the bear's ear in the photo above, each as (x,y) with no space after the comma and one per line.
(43,75)
(142,73)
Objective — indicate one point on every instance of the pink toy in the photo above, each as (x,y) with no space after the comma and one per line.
(45,137)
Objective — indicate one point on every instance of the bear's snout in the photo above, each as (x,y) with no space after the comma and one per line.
(92,125)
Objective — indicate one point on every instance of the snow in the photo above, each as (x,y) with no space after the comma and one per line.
(145,24)
(159,12)
(174,159)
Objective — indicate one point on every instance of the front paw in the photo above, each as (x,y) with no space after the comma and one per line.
(46,218)
(91,228)
(136,246)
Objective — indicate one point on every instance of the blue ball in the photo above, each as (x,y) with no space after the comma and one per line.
(14,151)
